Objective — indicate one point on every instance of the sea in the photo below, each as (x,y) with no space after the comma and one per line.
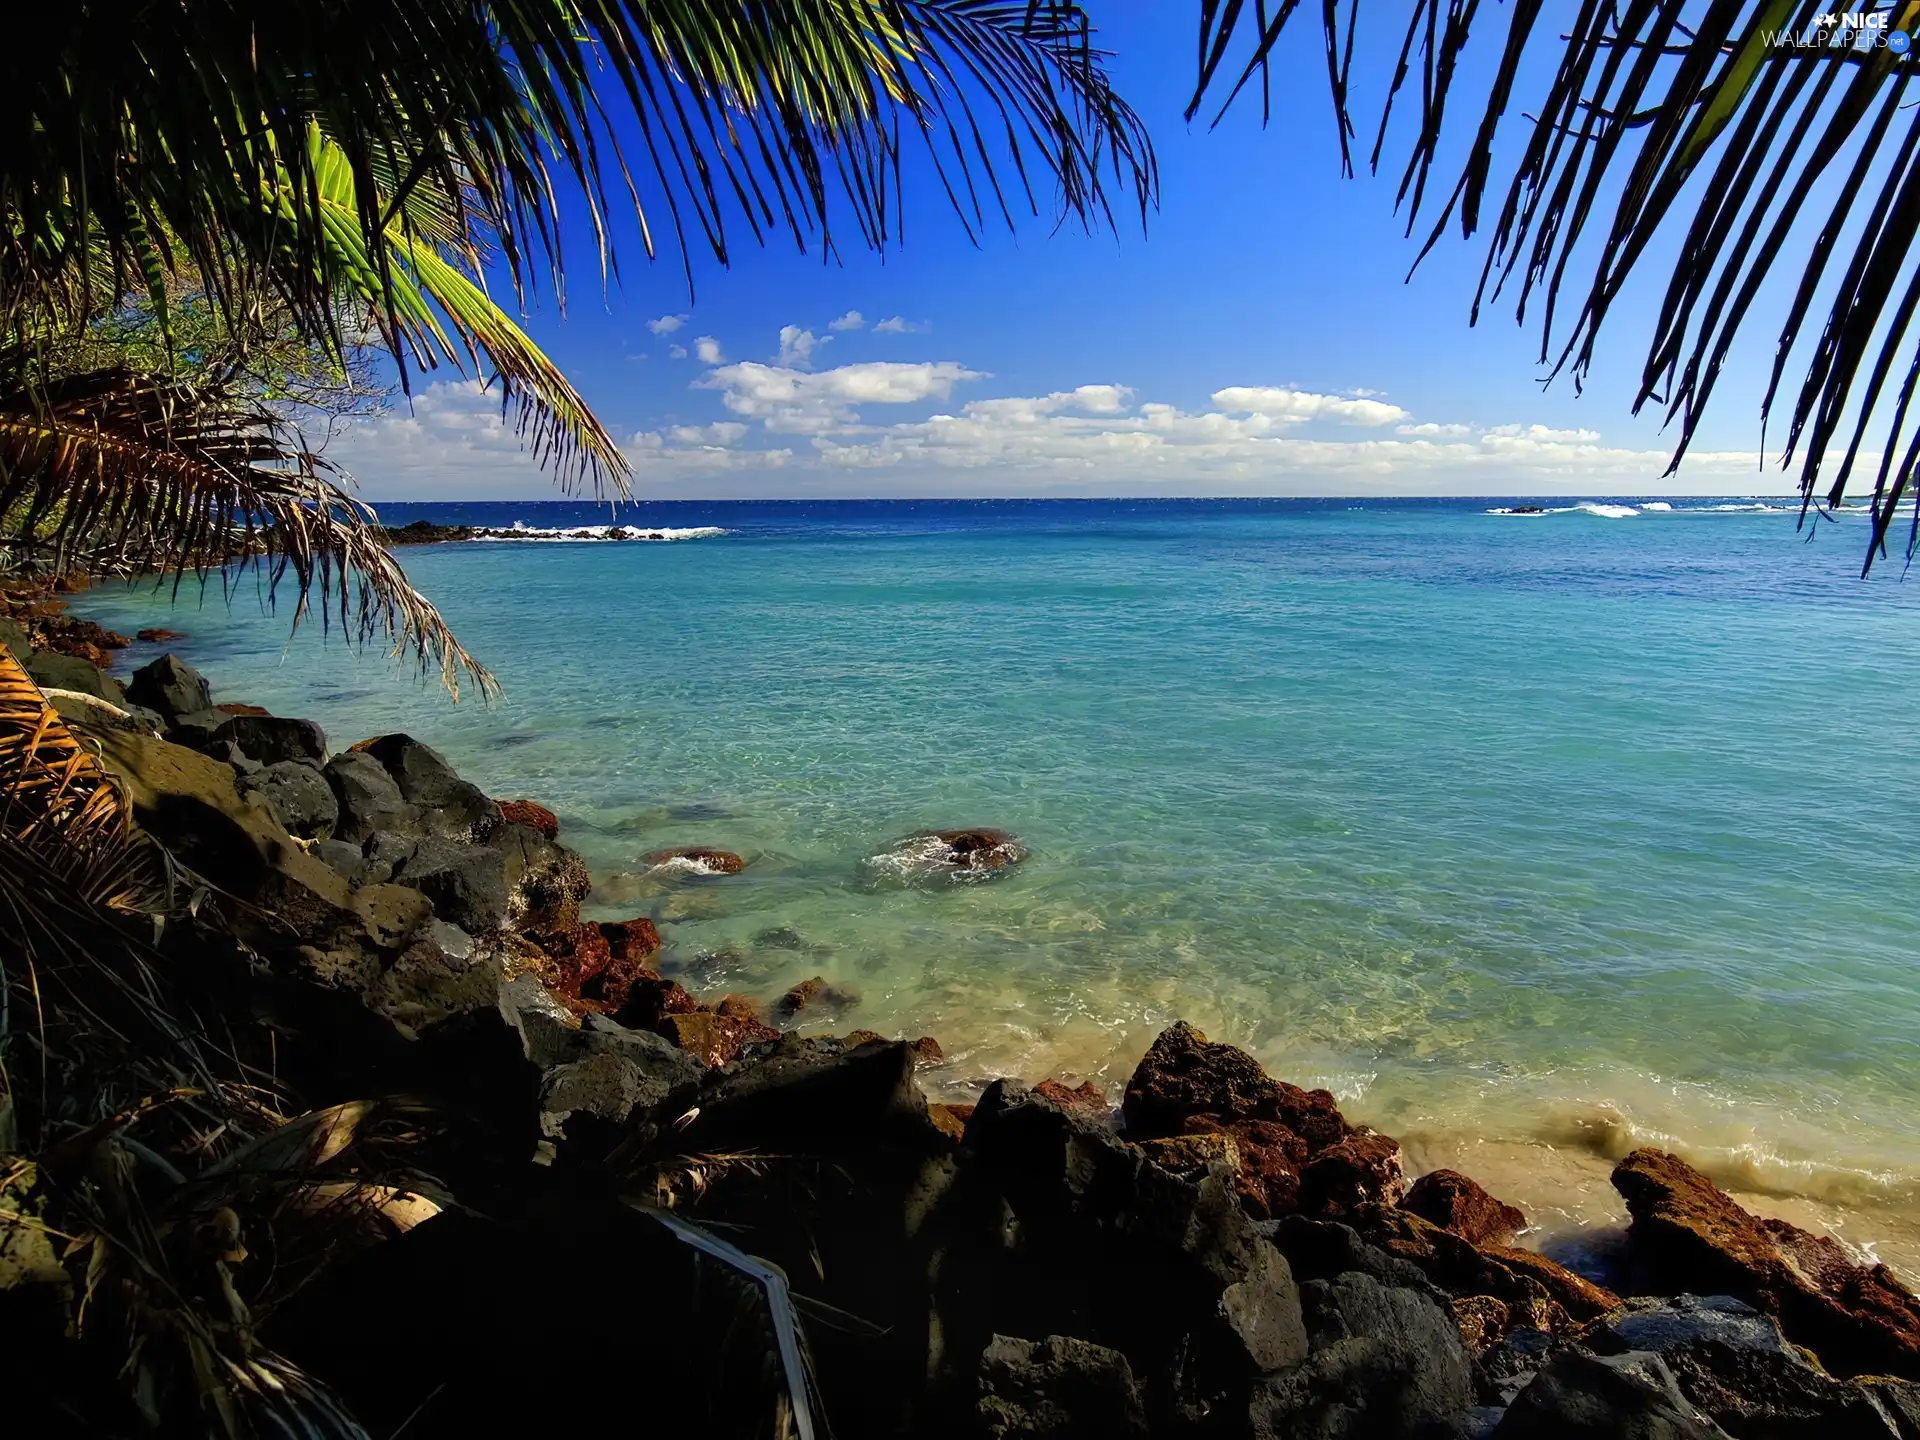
(1535,837)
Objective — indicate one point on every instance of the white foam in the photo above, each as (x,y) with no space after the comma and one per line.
(1655,505)
(1610,512)
(520,530)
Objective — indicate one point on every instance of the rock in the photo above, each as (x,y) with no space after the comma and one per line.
(1058,1389)
(170,686)
(581,954)
(650,1000)
(301,799)
(1504,1369)
(1577,1396)
(534,817)
(980,849)
(1327,1249)
(612,1072)
(950,1120)
(269,739)
(743,1007)
(425,532)
(631,940)
(14,640)
(926,1051)
(1385,1363)
(1454,1202)
(1688,1236)
(1360,1170)
(547,882)
(53,671)
(696,860)
(1086,1096)
(158,636)
(368,801)
(234,708)
(451,808)
(196,728)
(1190,1156)
(715,1039)
(815,994)
(467,883)
(811,1097)
(386,852)
(1898,1398)
(344,858)
(1660,1323)
(1776,1394)
(440,975)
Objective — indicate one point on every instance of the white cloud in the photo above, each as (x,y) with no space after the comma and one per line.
(1429,428)
(722,433)
(1542,432)
(1291,405)
(900,325)
(667,324)
(708,350)
(796,402)
(797,345)
(676,352)
(852,320)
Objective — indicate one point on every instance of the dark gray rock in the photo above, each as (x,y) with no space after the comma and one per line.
(1482,1420)
(299,796)
(1323,1249)
(269,738)
(549,1032)
(384,854)
(1058,1388)
(170,686)
(1660,1323)
(1900,1399)
(1504,1369)
(1776,1395)
(1579,1396)
(1386,1363)
(196,729)
(368,799)
(617,1073)
(229,753)
(450,807)
(467,883)
(344,858)
(441,974)
(53,671)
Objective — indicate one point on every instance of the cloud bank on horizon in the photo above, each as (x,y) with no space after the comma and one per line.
(891,427)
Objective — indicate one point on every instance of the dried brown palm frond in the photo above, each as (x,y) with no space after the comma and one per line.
(114,469)
(1703,122)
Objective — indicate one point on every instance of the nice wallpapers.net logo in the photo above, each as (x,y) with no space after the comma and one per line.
(1847,30)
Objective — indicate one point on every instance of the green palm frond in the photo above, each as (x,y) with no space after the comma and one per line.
(1684,119)
(113,470)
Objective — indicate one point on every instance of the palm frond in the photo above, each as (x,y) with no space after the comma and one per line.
(114,470)
(1692,118)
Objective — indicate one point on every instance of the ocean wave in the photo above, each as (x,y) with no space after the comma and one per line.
(1655,505)
(1591,507)
(1609,512)
(520,530)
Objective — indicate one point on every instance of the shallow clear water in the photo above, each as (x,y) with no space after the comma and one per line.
(1533,837)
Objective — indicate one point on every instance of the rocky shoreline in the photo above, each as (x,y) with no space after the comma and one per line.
(600,1158)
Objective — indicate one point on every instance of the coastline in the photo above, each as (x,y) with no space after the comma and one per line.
(479,921)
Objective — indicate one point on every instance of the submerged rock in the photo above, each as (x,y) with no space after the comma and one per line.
(1688,1235)
(696,860)
(949,855)
(815,994)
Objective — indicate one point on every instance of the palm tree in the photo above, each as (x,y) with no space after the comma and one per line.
(350,164)
(1698,120)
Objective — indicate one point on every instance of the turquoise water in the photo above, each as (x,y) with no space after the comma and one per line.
(1533,837)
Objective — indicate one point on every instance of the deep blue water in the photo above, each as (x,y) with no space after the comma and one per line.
(1534,837)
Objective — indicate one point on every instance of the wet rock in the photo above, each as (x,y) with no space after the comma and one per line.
(450,807)
(631,940)
(1360,1170)
(950,1120)
(981,849)
(425,532)
(233,708)
(535,817)
(1776,1395)
(816,995)
(467,883)
(1085,1096)
(53,671)
(367,799)
(926,1051)
(269,739)
(1385,1362)
(170,686)
(1659,1323)
(1688,1236)
(715,1039)
(1577,1396)
(1058,1388)
(547,883)
(1457,1203)
(580,954)
(743,1007)
(158,636)
(299,796)
(1504,1369)
(696,860)
(650,1000)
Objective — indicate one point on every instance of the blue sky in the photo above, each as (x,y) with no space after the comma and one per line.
(1257,340)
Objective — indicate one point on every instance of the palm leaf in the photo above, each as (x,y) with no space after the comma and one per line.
(1690,116)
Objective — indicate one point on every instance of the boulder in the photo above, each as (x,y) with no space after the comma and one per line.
(535,817)
(1457,1203)
(196,728)
(443,973)
(467,883)
(1660,1323)
(980,849)
(299,796)
(367,798)
(611,1072)
(1361,1170)
(269,739)
(1058,1388)
(815,994)
(1385,1363)
(1777,1395)
(650,1000)
(1577,1396)
(631,940)
(1688,1236)
(927,1052)
(344,858)
(450,807)
(170,686)
(231,708)
(1085,1096)
(696,860)
(715,1039)
(53,671)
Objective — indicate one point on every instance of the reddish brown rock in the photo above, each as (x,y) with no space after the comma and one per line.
(1086,1096)
(158,636)
(536,817)
(581,954)
(699,859)
(1456,1202)
(854,1039)
(1481,1320)
(1190,1155)
(980,849)
(630,941)
(650,999)
(1688,1235)
(714,1038)
(1361,1170)
(740,1007)
(926,1051)
(814,994)
(234,707)
(950,1120)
